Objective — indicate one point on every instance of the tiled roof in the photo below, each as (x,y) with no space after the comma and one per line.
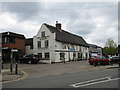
(66,37)
(95,46)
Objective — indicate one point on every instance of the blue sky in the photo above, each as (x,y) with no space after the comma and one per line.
(94,21)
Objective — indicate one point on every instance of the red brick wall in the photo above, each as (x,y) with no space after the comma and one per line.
(19,44)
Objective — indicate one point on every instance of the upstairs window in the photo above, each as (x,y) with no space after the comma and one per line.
(9,40)
(43,34)
(39,44)
(46,43)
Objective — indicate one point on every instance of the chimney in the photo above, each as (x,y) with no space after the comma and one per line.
(58,25)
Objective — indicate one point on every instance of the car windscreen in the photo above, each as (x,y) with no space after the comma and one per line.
(101,57)
(93,57)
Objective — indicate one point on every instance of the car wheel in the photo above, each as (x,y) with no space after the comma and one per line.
(29,62)
(95,64)
(19,61)
(110,63)
(90,63)
(99,63)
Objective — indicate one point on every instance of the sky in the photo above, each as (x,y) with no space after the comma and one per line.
(96,22)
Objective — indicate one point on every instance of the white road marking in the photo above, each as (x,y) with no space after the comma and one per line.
(91,82)
(109,78)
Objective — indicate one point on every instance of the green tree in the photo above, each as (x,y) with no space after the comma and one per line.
(110,48)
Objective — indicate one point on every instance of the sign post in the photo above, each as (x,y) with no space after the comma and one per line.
(11,65)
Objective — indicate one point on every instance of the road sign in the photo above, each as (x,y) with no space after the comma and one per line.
(14,50)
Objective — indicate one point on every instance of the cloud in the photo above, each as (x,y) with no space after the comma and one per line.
(23,10)
(28,28)
(95,22)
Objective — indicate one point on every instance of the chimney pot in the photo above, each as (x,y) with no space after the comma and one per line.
(58,25)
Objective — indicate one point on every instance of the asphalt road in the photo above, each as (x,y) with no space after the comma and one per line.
(107,78)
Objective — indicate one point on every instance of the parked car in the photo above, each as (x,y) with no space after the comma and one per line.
(29,59)
(115,59)
(99,60)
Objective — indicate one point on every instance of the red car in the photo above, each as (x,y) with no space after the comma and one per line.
(99,60)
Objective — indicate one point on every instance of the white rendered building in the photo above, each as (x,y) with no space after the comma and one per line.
(52,44)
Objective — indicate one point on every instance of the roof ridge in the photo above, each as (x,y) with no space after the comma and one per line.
(13,33)
(63,30)
(68,36)
(29,38)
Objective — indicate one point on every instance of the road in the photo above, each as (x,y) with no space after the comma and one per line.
(107,78)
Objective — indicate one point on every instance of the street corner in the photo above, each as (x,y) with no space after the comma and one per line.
(8,77)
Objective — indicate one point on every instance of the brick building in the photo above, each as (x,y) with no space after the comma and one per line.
(12,43)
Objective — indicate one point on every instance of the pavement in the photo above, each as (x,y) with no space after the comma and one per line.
(40,70)
(7,76)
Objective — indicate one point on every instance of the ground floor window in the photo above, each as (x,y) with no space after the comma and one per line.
(62,56)
(47,55)
(74,54)
(86,55)
(79,55)
(40,55)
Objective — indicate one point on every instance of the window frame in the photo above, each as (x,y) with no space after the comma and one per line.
(39,44)
(47,55)
(43,34)
(9,39)
(46,43)
(40,54)
(62,55)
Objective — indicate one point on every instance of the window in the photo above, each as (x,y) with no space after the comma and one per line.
(62,56)
(80,49)
(43,34)
(47,55)
(68,47)
(39,44)
(79,55)
(9,40)
(46,43)
(40,55)
(74,54)
(5,39)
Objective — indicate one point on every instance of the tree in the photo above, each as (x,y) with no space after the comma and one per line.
(110,48)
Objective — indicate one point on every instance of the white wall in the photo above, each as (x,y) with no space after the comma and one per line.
(49,36)
(29,51)
(59,46)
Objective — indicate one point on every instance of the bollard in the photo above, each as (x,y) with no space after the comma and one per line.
(64,60)
(16,68)
(119,64)
(11,69)
(2,65)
